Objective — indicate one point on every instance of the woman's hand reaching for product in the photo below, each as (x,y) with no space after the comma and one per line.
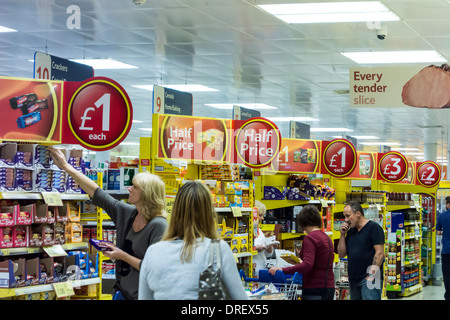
(58,158)
(273,270)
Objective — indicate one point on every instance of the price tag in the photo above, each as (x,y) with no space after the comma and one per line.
(324,203)
(428,174)
(339,157)
(393,166)
(52,198)
(63,289)
(236,211)
(55,251)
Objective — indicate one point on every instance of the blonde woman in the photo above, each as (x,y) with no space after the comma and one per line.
(139,223)
(171,268)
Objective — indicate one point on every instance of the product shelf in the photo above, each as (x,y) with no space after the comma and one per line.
(12,292)
(38,196)
(31,250)
(276,204)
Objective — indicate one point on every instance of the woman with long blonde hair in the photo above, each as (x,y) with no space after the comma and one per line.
(171,268)
(139,223)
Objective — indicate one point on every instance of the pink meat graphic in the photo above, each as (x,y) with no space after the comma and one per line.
(430,88)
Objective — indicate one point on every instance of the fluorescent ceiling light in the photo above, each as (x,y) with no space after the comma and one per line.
(137,121)
(395,57)
(257,106)
(145,129)
(129,143)
(330,130)
(381,143)
(361,137)
(104,63)
(407,149)
(179,87)
(328,12)
(412,153)
(292,119)
(5,29)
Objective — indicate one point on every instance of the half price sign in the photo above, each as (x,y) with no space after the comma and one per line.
(392,166)
(339,157)
(428,174)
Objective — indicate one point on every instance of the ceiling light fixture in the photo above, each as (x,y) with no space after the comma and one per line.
(361,137)
(284,119)
(5,29)
(381,143)
(330,130)
(329,12)
(395,57)
(179,87)
(229,106)
(104,63)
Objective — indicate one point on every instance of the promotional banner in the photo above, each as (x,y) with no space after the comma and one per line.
(387,87)
(97,113)
(392,166)
(192,138)
(31,110)
(51,67)
(338,157)
(302,156)
(428,174)
(366,166)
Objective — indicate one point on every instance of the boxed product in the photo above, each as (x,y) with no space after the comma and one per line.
(33,269)
(275,193)
(42,235)
(47,270)
(7,277)
(7,179)
(74,233)
(60,233)
(7,154)
(8,216)
(51,214)
(25,214)
(21,236)
(24,158)
(294,193)
(62,213)
(24,180)
(74,213)
(40,215)
(6,237)
(42,157)
(44,180)
(58,181)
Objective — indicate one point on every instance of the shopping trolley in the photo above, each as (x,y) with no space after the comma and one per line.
(274,287)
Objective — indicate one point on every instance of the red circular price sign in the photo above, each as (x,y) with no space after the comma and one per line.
(339,157)
(428,174)
(100,114)
(393,166)
(258,142)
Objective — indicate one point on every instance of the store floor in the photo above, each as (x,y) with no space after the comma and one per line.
(429,292)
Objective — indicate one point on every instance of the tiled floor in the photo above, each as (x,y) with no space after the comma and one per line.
(429,292)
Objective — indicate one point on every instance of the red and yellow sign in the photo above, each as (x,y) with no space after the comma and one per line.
(392,166)
(302,156)
(99,113)
(192,138)
(339,157)
(257,142)
(428,174)
(31,110)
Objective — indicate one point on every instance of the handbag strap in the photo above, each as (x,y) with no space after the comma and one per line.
(328,264)
(214,247)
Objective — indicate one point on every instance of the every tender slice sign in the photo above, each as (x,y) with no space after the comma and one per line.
(430,88)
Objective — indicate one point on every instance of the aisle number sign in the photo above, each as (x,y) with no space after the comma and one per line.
(428,174)
(392,166)
(339,157)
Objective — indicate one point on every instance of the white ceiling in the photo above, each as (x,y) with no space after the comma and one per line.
(239,49)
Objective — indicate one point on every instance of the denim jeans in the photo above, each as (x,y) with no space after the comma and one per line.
(446,274)
(363,291)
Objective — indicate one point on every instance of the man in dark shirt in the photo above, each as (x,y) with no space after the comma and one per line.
(362,241)
(443,229)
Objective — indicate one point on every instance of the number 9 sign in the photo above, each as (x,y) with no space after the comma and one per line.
(339,157)
(393,166)
(428,174)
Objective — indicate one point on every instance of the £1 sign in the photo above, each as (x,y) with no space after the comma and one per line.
(392,166)
(99,114)
(428,174)
(339,157)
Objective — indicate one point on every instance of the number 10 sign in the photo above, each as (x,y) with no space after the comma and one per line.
(339,157)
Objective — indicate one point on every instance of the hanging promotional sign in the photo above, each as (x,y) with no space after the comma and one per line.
(257,142)
(339,157)
(98,115)
(302,156)
(428,174)
(191,138)
(31,110)
(365,166)
(392,166)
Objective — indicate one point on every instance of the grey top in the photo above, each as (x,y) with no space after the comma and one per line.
(164,277)
(134,243)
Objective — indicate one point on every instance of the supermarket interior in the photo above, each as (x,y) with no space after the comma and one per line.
(288,103)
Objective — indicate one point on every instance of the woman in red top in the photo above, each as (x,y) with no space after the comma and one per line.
(316,257)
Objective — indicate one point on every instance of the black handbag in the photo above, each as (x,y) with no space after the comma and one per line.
(210,286)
